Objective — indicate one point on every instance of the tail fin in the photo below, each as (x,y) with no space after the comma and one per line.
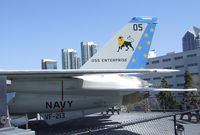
(128,49)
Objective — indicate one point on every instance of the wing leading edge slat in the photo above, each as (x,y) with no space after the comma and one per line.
(72,73)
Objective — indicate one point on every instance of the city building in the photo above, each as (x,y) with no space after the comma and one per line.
(191,39)
(48,64)
(88,49)
(70,59)
(152,54)
(78,62)
(183,61)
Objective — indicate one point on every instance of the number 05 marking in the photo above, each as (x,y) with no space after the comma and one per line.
(137,27)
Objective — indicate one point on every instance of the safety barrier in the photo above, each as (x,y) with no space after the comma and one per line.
(166,123)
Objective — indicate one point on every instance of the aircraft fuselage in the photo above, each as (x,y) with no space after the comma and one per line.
(68,94)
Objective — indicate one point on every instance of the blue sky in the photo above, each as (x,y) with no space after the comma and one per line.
(34,29)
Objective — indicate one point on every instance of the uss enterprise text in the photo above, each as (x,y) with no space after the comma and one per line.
(110,60)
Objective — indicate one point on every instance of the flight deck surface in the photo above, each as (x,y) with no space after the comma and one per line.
(92,122)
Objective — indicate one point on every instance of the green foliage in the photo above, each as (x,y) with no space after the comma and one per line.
(166,97)
(164,83)
(190,97)
(188,80)
(188,84)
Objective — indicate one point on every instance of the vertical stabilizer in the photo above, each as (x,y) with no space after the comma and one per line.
(127,49)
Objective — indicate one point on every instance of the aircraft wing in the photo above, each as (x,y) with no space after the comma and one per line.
(144,89)
(72,73)
(167,89)
(171,89)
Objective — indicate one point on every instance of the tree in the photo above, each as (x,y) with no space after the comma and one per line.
(166,97)
(188,83)
(196,80)
(164,83)
(190,97)
(188,80)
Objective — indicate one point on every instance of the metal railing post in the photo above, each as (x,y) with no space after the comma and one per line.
(175,131)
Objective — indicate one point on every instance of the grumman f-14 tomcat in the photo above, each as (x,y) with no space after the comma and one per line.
(101,83)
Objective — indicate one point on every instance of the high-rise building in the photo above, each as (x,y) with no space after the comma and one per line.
(191,39)
(70,59)
(78,62)
(48,64)
(88,49)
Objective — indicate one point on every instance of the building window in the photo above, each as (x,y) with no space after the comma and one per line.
(165,60)
(180,75)
(180,84)
(147,63)
(167,67)
(168,77)
(156,78)
(192,65)
(180,66)
(194,73)
(171,85)
(191,55)
(155,62)
(146,79)
(178,58)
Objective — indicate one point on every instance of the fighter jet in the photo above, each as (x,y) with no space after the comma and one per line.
(101,83)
